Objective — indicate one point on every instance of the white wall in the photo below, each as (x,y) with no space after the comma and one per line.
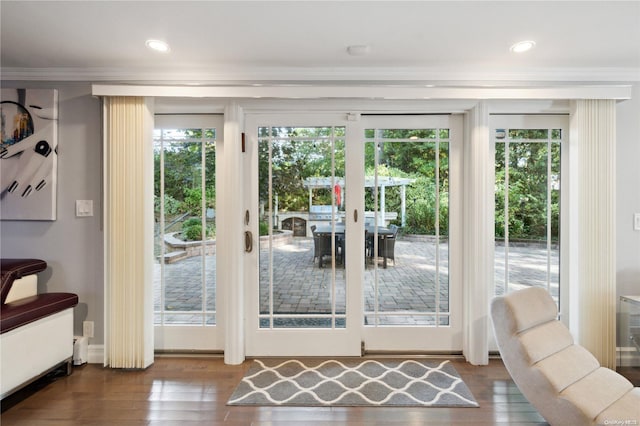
(71,246)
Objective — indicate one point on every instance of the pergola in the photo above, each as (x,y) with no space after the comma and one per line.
(382,182)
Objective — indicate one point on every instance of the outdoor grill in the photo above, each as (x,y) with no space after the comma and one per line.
(320,213)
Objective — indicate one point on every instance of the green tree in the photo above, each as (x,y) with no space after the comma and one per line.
(527,190)
(298,154)
(183,170)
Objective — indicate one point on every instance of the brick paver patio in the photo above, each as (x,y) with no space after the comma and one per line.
(301,287)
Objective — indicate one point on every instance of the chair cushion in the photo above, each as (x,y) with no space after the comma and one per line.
(626,410)
(566,367)
(30,309)
(530,307)
(594,393)
(545,340)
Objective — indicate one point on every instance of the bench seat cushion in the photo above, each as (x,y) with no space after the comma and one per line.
(32,308)
(13,269)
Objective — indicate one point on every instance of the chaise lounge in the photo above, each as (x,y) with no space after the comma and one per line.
(561,379)
(36,330)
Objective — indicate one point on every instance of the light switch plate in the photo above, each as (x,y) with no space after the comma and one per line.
(84,208)
(636,221)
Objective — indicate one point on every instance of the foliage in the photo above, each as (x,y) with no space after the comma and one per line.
(415,160)
(192,233)
(183,171)
(263,228)
(527,190)
(192,201)
(192,230)
(172,207)
(295,154)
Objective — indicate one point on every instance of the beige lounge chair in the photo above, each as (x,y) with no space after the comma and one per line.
(561,379)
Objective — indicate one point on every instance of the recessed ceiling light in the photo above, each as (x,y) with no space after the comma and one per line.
(523,46)
(157,45)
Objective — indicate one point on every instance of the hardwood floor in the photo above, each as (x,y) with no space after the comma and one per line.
(188,391)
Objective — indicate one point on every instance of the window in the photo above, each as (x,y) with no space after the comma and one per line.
(527,199)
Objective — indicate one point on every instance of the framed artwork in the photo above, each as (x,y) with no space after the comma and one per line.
(28,154)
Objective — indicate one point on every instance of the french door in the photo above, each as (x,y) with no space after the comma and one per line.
(187,304)
(330,195)
(412,181)
(299,301)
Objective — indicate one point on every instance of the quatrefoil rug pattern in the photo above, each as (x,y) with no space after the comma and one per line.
(344,382)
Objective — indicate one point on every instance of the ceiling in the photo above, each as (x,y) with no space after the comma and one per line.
(307,40)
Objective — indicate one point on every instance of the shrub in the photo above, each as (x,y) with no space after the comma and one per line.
(191,222)
(192,233)
(264,228)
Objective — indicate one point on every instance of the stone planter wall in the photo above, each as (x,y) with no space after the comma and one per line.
(176,249)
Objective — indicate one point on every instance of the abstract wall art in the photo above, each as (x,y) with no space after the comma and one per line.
(28,154)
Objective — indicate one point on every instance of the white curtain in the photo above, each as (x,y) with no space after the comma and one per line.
(594,121)
(478,234)
(128,200)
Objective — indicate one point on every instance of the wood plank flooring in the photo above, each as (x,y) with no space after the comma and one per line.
(185,391)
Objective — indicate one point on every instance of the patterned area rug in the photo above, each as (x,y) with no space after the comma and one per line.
(353,383)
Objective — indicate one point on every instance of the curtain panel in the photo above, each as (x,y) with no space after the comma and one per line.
(595,124)
(128,200)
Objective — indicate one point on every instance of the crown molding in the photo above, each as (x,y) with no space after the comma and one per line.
(382,92)
(270,74)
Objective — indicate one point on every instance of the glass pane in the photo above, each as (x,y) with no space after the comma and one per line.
(500,215)
(554,244)
(527,215)
(403,134)
(187,135)
(210,224)
(301,181)
(527,228)
(184,273)
(542,134)
(303,132)
(443,237)
(407,228)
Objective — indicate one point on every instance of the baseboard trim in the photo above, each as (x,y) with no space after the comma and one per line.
(627,357)
(95,354)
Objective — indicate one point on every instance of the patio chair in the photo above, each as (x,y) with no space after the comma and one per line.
(368,244)
(386,246)
(321,246)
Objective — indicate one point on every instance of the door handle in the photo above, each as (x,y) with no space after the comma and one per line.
(355,215)
(248,241)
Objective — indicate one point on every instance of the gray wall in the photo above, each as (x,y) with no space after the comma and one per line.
(628,194)
(73,247)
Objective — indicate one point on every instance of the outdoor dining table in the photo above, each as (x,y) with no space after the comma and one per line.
(383,233)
